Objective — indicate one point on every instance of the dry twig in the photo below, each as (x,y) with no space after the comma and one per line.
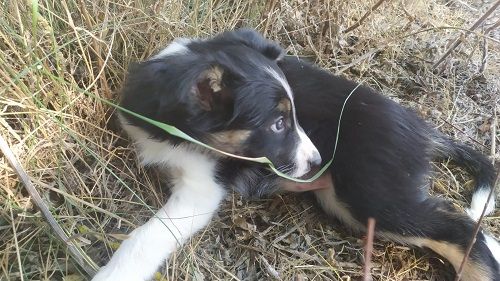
(364,17)
(369,249)
(270,269)
(476,230)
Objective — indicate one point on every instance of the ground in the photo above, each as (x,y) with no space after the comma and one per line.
(60,58)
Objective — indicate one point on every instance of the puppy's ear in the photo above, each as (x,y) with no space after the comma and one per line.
(210,89)
(255,40)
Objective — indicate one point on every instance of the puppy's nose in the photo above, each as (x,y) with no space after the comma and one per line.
(315,159)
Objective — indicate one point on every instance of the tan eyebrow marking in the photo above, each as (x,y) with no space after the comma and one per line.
(284,105)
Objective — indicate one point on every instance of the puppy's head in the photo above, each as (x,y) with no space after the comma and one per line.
(226,91)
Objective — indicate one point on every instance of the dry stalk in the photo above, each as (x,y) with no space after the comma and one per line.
(494,131)
(461,38)
(37,199)
(484,56)
(96,49)
(16,242)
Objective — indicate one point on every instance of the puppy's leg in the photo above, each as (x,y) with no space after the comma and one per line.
(195,198)
(433,224)
(439,227)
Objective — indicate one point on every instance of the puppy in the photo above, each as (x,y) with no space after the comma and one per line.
(381,169)
(229,95)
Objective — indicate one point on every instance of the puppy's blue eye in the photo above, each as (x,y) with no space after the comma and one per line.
(278,126)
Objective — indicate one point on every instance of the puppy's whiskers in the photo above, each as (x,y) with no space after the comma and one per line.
(287,168)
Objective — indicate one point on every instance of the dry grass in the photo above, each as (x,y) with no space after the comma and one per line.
(53,52)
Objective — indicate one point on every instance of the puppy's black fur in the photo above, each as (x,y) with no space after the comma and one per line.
(382,165)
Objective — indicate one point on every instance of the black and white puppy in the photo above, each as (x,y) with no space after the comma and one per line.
(229,95)
(380,169)
(382,166)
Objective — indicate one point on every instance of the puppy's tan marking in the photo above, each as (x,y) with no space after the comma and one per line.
(230,141)
(285,106)
(472,270)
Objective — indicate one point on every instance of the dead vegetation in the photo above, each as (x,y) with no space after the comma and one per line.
(55,53)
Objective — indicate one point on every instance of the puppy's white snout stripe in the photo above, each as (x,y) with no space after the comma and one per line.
(307,154)
(315,159)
